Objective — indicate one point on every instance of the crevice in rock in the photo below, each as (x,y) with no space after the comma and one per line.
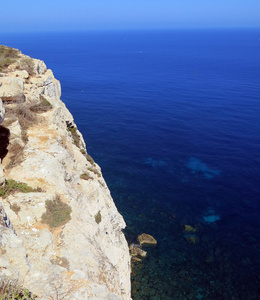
(4,141)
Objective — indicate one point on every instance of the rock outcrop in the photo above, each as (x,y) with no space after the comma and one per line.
(86,256)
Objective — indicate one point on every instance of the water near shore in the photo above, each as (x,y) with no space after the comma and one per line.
(173,118)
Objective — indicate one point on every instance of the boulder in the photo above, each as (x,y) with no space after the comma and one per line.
(2,112)
(188,228)
(146,239)
(135,250)
(12,89)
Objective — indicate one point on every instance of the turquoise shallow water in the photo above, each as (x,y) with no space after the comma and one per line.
(173,119)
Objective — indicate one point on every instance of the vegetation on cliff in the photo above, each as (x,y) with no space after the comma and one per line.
(11,186)
(7,56)
(57,213)
(11,289)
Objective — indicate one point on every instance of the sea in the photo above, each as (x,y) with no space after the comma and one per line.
(173,119)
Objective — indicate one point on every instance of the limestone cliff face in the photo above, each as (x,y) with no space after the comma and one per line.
(86,258)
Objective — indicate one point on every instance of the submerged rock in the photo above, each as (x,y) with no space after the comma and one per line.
(146,239)
(135,250)
(189,228)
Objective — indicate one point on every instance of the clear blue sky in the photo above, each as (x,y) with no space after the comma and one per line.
(24,15)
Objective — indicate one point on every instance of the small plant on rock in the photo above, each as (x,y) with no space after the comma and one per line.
(57,213)
(98,217)
(8,56)
(95,171)
(11,186)
(75,136)
(28,65)
(90,159)
(85,176)
(11,289)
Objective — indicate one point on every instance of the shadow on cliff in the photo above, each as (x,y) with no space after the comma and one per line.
(4,141)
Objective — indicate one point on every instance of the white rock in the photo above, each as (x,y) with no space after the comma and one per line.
(2,112)
(39,67)
(12,89)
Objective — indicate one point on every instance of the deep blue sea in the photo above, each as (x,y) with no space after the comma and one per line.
(173,119)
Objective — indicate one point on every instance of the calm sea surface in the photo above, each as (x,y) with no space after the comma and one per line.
(173,118)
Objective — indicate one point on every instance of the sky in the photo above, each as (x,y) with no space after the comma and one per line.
(57,15)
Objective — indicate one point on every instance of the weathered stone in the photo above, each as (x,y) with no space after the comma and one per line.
(12,89)
(146,239)
(2,112)
(135,250)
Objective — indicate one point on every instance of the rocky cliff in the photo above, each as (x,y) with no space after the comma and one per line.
(60,232)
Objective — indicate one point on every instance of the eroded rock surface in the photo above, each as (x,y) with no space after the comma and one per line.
(83,259)
(12,89)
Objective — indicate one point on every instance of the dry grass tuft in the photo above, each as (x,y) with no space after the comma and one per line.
(16,155)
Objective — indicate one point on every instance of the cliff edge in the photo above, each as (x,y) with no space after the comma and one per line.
(60,231)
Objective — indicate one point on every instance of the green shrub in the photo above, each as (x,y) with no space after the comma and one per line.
(11,186)
(8,52)
(10,289)
(85,176)
(4,63)
(83,151)
(7,56)
(90,159)
(95,171)
(75,136)
(98,217)
(57,213)
(28,65)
